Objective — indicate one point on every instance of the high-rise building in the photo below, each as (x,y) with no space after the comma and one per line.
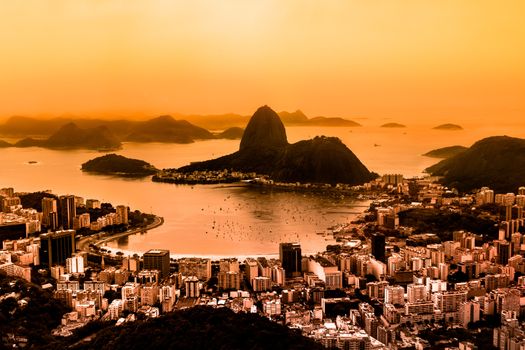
(503,252)
(122,214)
(229,280)
(158,259)
(49,213)
(56,247)
(290,255)
(378,246)
(68,211)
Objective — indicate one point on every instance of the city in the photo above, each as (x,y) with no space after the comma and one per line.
(386,284)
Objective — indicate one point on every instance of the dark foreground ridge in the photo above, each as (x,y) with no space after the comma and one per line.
(115,164)
(497,162)
(264,149)
(201,328)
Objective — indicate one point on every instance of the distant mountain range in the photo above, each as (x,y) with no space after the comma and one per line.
(111,133)
(264,149)
(497,162)
(446,152)
(70,136)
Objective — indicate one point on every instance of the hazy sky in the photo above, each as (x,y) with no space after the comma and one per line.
(442,60)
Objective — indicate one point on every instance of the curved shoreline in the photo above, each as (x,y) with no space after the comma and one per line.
(101,238)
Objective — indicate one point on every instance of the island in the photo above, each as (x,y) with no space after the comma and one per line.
(497,162)
(445,152)
(450,127)
(4,144)
(114,164)
(264,150)
(233,133)
(393,125)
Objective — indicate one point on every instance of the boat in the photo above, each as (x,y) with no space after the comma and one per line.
(32,162)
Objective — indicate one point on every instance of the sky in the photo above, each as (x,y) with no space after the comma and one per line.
(405,60)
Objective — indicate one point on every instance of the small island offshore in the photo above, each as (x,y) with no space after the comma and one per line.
(114,164)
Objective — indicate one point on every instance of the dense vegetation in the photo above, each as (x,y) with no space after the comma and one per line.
(28,311)
(446,152)
(201,328)
(443,223)
(497,162)
(264,149)
(34,199)
(118,165)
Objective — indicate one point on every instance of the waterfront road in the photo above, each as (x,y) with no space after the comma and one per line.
(103,237)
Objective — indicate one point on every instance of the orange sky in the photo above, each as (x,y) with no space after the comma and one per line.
(441,60)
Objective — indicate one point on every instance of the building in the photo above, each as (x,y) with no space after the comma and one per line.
(378,246)
(158,259)
(229,280)
(394,295)
(56,247)
(192,286)
(75,264)
(469,312)
(68,211)
(290,255)
(93,204)
(201,268)
(50,213)
(122,214)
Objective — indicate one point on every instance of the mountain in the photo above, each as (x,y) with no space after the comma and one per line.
(232,133)
(166,129)
(321,160)
(70,136)
(264,149)
(448,127)
(160,129)
(298,118)
(331,121)
(393,125)
(4,144)
(497,162)
(265,129)
(445,152)
(114,164)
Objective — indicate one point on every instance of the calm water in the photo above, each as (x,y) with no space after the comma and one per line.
(230,220)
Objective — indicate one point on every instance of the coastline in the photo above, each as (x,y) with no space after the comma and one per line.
(101,238)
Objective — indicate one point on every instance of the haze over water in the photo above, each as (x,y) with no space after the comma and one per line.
(231,220)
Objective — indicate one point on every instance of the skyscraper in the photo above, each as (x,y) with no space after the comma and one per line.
(158,259)
(49,213)
(378,246)
(290,255)
(56,247)
(68,211)
(122,214)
